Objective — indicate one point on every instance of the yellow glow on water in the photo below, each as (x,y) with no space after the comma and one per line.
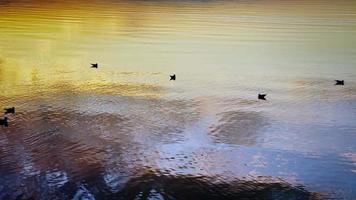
(51,42)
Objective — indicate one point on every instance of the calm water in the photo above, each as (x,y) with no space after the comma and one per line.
(124,131)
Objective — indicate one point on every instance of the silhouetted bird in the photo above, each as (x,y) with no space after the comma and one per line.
(339,82)
(95,65)
(4,122)
(10,110)
(173,77)
(262,96)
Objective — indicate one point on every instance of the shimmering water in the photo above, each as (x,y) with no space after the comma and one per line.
(124,131)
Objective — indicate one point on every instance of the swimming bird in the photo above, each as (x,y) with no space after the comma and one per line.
(4,122)
(10,110)
(339,82)
(95,65)
(173,77)
(262,96)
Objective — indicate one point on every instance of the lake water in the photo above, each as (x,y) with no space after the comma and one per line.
(124,131)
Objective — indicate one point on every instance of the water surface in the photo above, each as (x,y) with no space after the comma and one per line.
(125,131)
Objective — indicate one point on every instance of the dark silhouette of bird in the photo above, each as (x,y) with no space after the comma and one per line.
(173,77)
(262,96)
(4,122)
(10,110)
(339,82)
(95,65)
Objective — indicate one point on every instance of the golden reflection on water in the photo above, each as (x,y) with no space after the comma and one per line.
(49,43)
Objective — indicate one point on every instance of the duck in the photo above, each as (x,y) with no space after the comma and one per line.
(173,77)
(10,110)
(94,65)
(4,122)
(339,82)
(262,96)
